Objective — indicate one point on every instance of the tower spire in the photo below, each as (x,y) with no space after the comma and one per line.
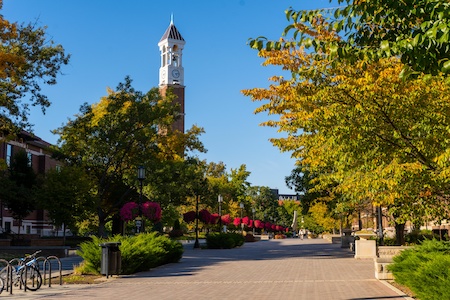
(171,18)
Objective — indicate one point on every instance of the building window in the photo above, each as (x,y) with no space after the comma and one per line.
(28,230)
(30,159)
(8,154)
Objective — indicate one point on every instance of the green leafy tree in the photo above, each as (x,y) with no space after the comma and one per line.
(302,181)
(415,31)
(264,201)
(18,187)
(239,182)
(65,195)
(124,130)
(215,181)
(232,186)
(286,212)
(28,59)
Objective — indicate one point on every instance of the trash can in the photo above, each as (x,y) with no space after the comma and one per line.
(111,262)
(347,239)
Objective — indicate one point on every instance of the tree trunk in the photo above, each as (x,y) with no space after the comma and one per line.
(20,226)
(64,233)
(399,234)
(117,225)
(101,223)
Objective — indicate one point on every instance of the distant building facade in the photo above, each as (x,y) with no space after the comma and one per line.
(40,159)
(283,197)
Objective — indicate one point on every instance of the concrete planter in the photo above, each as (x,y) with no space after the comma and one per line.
(364,246)
(384,259)
(365,249)
(363,235)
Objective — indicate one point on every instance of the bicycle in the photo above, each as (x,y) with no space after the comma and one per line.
(26,273)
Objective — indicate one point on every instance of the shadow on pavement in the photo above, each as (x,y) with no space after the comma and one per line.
(195,259)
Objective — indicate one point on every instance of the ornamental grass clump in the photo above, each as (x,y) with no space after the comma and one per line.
(425,269)
(138,253)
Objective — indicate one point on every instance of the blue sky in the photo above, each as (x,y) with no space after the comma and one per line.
(109,40)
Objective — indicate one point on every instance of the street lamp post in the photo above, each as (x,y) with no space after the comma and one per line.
(140,177)
(380,225)
(196,244)
(220,200)
(241,205)
(253,213)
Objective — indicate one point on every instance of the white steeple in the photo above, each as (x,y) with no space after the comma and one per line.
(171,48)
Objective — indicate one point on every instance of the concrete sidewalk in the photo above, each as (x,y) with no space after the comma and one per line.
(276,269)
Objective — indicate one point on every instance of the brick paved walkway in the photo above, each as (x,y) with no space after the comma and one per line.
(276,269)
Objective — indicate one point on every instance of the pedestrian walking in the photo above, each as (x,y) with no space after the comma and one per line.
(301,233)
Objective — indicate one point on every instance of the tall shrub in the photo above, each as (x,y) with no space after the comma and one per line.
(139,253)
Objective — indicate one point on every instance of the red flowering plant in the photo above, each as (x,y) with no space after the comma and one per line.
(152,211)
(245,220)
(259,224)
(129,211)
(251,224)
(268,226)
(237,222)
(214,219)
(189,216)
(226,219)
(204,216)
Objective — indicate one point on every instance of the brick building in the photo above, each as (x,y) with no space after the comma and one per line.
(40,158)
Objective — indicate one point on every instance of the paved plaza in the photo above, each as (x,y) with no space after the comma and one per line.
(310,269)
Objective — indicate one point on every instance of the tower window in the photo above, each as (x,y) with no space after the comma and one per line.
(164,56)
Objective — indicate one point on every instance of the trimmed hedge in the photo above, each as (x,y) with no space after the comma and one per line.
(224,240)
(425,269)
(139,253)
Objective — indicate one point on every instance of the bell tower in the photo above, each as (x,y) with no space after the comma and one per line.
(171,72)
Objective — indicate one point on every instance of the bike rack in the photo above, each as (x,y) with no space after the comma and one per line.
(41,260)
(19,262)
(44,263)
(8,273)
(47,261)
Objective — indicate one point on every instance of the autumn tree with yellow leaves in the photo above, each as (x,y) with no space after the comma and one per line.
(28,59)
(363,131)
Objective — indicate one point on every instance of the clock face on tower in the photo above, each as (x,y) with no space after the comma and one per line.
(176,73)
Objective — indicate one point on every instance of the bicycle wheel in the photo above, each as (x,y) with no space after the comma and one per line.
(31,278)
